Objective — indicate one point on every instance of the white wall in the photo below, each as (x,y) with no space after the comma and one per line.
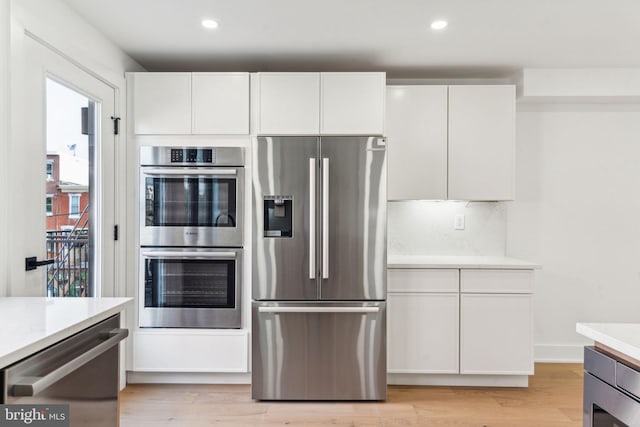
(58,27)
(576,213)
(4,135)
(426,228)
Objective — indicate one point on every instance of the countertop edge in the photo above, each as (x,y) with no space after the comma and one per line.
(460,261)
(41,344)
(588,331)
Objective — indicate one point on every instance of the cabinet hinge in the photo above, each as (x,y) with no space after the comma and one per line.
(116,125)
(115,232)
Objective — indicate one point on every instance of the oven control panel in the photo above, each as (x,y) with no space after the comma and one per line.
(192,155)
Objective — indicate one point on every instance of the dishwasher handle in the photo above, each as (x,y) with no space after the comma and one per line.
(31,386)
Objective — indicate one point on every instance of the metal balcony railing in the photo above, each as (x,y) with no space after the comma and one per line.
(69,275)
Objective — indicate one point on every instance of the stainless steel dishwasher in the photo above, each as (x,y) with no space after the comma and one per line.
(81,371)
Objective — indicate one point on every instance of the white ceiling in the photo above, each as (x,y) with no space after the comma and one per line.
(485,38)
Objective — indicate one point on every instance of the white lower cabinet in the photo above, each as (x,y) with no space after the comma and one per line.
(496,334)
(423,333)
(191,350)
(471,323)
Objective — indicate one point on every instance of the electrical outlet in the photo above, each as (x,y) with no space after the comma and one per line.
(458,222)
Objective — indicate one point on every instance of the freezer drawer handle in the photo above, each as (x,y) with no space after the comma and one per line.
(318,309)
(160,172)
(31,386)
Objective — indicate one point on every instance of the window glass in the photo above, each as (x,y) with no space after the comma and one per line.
(49,170)
(74,204)
(49,205)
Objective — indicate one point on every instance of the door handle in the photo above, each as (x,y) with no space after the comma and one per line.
(31,263)
(312,218)
(325,218)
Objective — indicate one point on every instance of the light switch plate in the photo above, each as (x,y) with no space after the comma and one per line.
(458,222)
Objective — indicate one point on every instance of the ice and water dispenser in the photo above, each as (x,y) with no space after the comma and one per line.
(278,216)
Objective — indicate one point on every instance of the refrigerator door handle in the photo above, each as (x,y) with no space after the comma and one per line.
(312,218)
(325,218)
(356,310)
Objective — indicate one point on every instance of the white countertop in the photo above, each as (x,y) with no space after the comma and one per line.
(419,261)
(28,325)
(622,337)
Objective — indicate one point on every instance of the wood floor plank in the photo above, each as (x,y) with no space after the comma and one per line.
(553,399)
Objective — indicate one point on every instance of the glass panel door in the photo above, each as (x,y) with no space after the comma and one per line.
(62,221)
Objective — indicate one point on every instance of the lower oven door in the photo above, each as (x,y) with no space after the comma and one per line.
(606,406)
(190,288)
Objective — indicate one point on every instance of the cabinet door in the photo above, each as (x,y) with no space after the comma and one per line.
(220,103)
(422,333)
(162,103)
(352,103)
(289,103)
(416,129)
(496,334)
(481,142)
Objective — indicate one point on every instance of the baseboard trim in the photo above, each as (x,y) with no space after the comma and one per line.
(187,378)
(459,380)
(559,353)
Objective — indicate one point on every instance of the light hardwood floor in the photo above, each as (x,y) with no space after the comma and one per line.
(553,399)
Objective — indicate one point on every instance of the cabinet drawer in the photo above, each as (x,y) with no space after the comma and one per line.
(496,281)
(191,350)
(422,280)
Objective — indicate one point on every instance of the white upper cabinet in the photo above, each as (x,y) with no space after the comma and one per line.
(451,142)
(416,129)
(220,103)
(352,103)
(288,103)
(321,103)
(482,142)
(191,103)
(162,103)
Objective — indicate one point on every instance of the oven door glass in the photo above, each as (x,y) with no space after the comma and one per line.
(189,283)
(602,418)
(190,201)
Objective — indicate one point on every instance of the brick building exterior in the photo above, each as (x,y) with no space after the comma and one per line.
(67,190)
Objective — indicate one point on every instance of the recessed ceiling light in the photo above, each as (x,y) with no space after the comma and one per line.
(209,24)
(440,24)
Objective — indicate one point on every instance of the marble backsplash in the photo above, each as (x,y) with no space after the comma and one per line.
(421,227)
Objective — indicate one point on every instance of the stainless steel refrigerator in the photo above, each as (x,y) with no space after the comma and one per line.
(319,268)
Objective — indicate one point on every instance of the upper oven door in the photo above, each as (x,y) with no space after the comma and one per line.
(191,206)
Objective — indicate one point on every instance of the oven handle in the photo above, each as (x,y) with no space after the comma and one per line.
(171,254)
(160,172)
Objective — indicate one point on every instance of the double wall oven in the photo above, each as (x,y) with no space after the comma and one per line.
(191,236)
